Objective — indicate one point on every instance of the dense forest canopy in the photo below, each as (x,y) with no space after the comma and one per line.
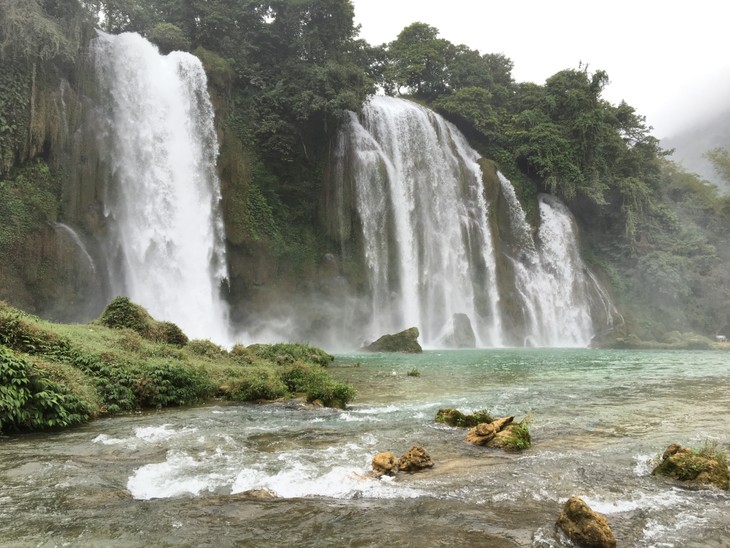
(284,72)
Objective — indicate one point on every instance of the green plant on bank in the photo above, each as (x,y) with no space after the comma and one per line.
(57,375)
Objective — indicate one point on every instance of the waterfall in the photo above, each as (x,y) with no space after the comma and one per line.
(420,203)
(166,241)
(416,195)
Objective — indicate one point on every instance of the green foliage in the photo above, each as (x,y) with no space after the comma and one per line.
(30,401)
(287,353)
(318,386)
(413,372)
(166,384)
(519,437)
(168,37)
(454,417)
(27,203)
(122,313)
(207,348)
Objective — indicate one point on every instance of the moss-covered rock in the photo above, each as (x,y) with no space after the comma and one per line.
(585,527)
(707,466)
(405,341)
(454,417)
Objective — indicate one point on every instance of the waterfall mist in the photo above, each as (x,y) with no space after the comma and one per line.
(166,239)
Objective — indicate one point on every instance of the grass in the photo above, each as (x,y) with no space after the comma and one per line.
(69,374)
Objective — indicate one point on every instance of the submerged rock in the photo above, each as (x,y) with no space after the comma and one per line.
(585,527)
(415,459)
(385,464)
(405,341)
(704,467)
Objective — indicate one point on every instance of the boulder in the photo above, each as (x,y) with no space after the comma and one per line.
(513,437)
(483,433)
(454,417)
(585,527)
(385,464)
(704,467)
(415,459)
(405,341)
(462,334)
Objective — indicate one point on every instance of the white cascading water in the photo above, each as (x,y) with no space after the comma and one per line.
(553,283)
(420,201)
(163,198)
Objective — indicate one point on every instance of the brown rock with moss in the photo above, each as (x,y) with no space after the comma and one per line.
(585,527)
(385,464)
(405,341)
(704,467)
(483,433)
(415,459)
(454,417)
(514,437)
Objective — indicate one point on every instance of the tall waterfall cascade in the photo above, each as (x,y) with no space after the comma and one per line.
(166,236)
(416,192)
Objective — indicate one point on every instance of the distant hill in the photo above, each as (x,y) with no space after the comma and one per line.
(691,144)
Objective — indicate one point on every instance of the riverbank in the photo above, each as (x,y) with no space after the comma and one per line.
(58,375)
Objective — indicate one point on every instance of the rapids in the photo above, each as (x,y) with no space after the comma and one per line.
(184,476)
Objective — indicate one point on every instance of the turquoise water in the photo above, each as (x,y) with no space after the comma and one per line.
(189,477)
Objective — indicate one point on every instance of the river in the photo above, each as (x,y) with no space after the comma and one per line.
(194,476)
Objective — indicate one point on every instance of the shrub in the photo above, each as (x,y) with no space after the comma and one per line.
(206,348)
(160,385)
(317,385)
(287,353)
(30,401)
(122,313)
(169,333)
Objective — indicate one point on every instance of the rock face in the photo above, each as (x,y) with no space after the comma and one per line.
(385,464)
(405,341)
(463,334)
(415,459)
(705,467)
(585,527)
(483,433)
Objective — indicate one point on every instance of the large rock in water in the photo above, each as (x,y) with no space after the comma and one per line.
(462,335)
(415,459)
(485,432)
(585,527)
(405,341)
(385,464)
(703,467)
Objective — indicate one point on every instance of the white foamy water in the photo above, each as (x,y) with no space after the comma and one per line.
(163,198)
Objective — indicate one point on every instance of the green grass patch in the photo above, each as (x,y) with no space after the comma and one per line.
(56,375)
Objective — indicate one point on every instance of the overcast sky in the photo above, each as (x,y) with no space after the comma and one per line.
(670,60)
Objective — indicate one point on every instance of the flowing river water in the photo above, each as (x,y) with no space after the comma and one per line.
(194,476)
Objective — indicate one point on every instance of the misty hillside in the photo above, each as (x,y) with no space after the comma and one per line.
(691,144)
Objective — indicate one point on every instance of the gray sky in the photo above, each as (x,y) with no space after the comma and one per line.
(668,59)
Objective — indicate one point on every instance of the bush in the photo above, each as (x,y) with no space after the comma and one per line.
(206,348)
(161,385)
(30,401)
(169,333)
(317,385)
(287,353)
(122,313)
